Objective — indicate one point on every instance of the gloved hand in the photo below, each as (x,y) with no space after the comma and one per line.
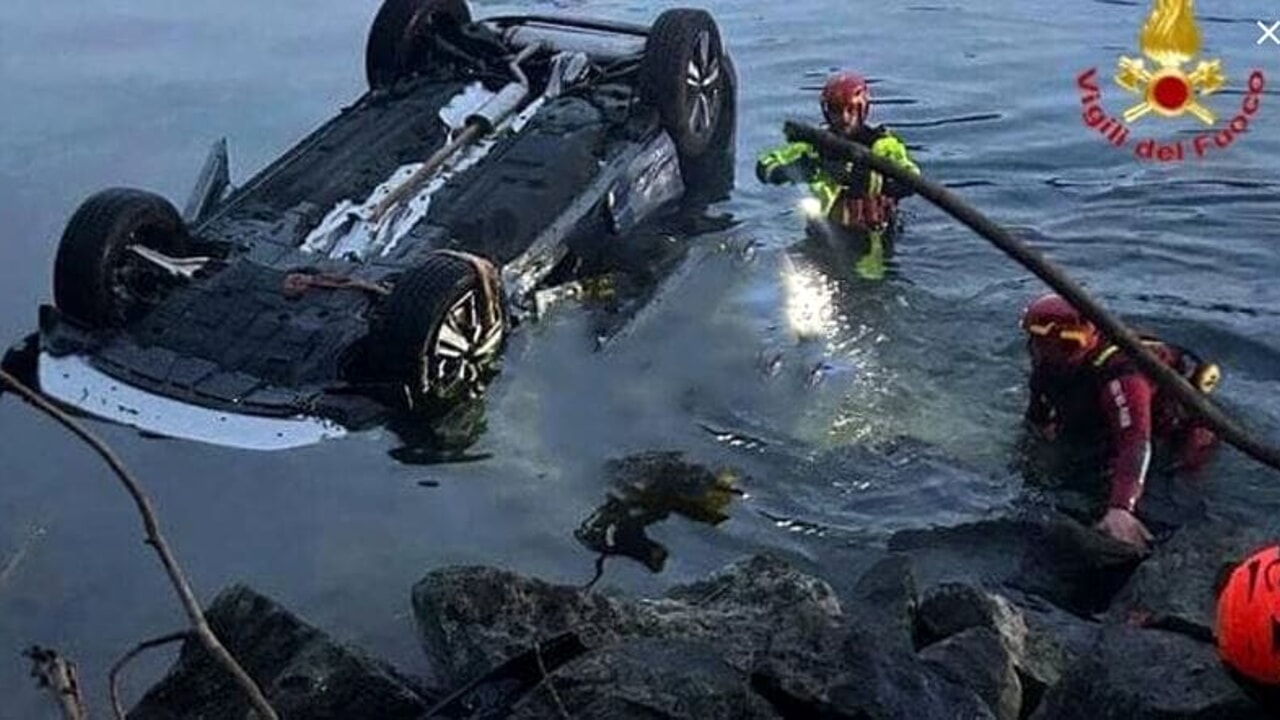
(1125,527)
(800,171)
(849,174)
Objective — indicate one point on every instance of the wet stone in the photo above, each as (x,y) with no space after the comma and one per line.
(304,674)
(642,679)
(978,659)
(1074,566)
(1139,674)
(857,676)
(1176,588)
(884,601)
(473,618)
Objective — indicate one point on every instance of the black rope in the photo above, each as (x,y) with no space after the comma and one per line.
(1163,375)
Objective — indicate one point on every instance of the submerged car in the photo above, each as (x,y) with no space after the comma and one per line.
(380,263)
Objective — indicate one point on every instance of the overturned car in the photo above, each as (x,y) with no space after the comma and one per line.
(380,263)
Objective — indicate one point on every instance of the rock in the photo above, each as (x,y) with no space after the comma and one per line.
(952,608)
(1055,638)
(1038,656)
(1176,588)
(643,679)
(860,677)
(1075,567)
(984,552)
(473,618)
(885,683)
(884,601)
(978,658)
(1040,551)
(303,672)
(1140,674)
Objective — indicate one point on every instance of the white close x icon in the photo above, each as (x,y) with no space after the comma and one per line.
(1268,32)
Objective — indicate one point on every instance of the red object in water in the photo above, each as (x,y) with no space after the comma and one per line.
(1248,621)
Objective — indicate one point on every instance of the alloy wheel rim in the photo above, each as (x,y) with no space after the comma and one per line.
(702,79)
(464,346)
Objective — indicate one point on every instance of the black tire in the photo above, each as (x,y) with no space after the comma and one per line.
(428,301)
(682,74)
(710,178)
(96,279)
(401,33)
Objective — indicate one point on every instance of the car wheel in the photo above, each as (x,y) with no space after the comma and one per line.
(709,178)
(683,74)
(444,327)
(97,280)
(400,34)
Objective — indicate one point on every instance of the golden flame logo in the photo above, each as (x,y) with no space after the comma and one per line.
(1170,38)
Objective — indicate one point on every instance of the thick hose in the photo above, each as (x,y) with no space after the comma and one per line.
(1163,375)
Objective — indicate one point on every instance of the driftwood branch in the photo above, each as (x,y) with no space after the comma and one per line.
(113,677)
(547,682)
(1162,374)
(10,566)
(58,675)
(156,540)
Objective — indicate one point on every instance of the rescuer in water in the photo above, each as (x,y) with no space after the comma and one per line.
(1086,389)
(851,204)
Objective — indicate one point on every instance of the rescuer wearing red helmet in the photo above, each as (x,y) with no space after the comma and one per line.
(1080,384)
(849,199)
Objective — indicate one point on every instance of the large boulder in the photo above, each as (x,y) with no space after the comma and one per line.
(304,674)
(647,679)
(859,676)
(979,659)
(952,608)
(884,601)
(473,618)
(1074,566)
(1037,657)
(1176,588)
(1039,550)
(983,552)
(1139,674)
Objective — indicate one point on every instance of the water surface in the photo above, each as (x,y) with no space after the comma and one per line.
(746,341)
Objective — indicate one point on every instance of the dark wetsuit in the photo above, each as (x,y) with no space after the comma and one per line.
(1108,399)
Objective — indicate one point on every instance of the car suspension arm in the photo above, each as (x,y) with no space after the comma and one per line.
(1029,258)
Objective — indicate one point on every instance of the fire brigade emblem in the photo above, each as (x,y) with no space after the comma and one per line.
(1171,40)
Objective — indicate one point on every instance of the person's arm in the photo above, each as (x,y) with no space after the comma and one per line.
(1126,402)
(890,147)
(795,162)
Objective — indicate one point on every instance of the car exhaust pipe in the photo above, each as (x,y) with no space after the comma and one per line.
(490,115)
(509,99)
(480,123)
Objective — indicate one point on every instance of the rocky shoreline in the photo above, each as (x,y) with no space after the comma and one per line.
(1029,617)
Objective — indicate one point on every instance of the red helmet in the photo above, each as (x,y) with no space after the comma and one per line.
(1247,614)
(1058,333)
(846,91)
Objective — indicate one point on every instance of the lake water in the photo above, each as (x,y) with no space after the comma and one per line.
(132,92)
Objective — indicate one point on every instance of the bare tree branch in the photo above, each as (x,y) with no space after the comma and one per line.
(546,680)
(113,677)
(10,566)
(154,538)
(58,675)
